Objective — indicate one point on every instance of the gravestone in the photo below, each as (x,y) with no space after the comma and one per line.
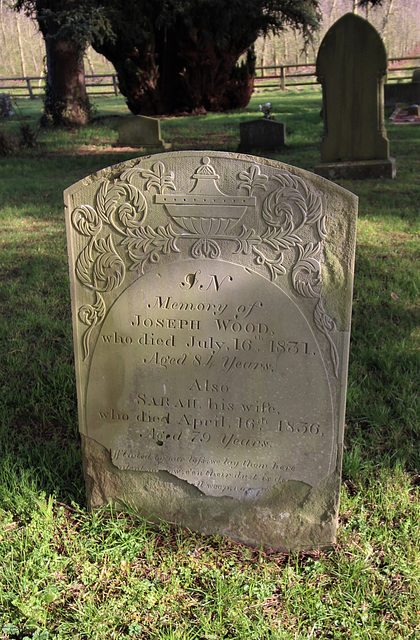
(351,67)
(402,92)
(140,131)
(211,302)
(6,107)
(416,76)
(263,134)
(413,110)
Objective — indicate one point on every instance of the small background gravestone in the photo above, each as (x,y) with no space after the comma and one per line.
(351,67)
(140,131)
(6,107)
(263,134)
(406,114)
(403,92)
(211,297)
(416,76)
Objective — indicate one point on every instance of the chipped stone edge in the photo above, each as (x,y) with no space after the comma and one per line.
(291,511)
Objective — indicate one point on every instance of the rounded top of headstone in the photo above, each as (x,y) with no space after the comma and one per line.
(416,75)
(352,40)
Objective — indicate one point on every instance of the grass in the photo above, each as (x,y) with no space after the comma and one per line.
(68,573)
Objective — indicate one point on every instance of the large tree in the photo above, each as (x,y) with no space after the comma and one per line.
(67,26)
(182,55)
(170,55)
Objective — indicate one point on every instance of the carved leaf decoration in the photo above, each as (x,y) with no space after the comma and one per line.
(158,179)
(91,315)
(281,239)
(322,227)
(283,207)
(205,248)
(327,326)
(108,268)
(246,240)
(285,179)
(101,200)
(129,174)
(274,266)
(314,207)
(306,273)
(86,220)
(147,243)
(252,179)
(125,206)
(84,265)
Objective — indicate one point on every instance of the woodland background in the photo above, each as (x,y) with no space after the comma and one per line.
(22,49)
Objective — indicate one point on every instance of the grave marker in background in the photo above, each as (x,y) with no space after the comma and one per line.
(211,297)
(6,107)
(262,135)
(351,67)
(140,131)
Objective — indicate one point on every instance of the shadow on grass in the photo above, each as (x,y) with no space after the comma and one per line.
(382,403)
(38,412)
(39,435)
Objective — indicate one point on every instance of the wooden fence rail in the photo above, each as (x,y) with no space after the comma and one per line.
(290,75)
(274,76)
(33,86)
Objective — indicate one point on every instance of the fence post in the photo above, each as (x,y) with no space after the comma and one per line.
(28,84)
(114,82)
(282,78)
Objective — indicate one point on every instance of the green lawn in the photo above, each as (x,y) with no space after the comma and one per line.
(68,573)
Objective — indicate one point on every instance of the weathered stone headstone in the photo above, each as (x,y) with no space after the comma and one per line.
(6,107)
(140,131)
(402,92)
(413,110)
(351,67)
(263,134)
(211,297)
(416,75)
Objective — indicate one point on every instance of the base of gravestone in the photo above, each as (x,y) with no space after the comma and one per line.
(292,516)
(358,170)
(262,135)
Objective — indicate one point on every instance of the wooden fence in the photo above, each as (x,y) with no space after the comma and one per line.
(300,75)
(33,86)
(276,76)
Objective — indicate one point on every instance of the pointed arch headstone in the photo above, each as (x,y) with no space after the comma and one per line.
(351,67)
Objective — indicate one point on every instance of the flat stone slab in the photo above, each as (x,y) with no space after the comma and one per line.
(358,170)
(405,115)
(211,301)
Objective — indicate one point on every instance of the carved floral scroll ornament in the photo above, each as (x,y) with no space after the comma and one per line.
(206,216)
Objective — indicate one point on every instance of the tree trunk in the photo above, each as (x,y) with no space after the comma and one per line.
(22,57)
(166,79)
(66,100)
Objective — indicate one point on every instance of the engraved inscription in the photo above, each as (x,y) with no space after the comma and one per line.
(289,240)
(201,369)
